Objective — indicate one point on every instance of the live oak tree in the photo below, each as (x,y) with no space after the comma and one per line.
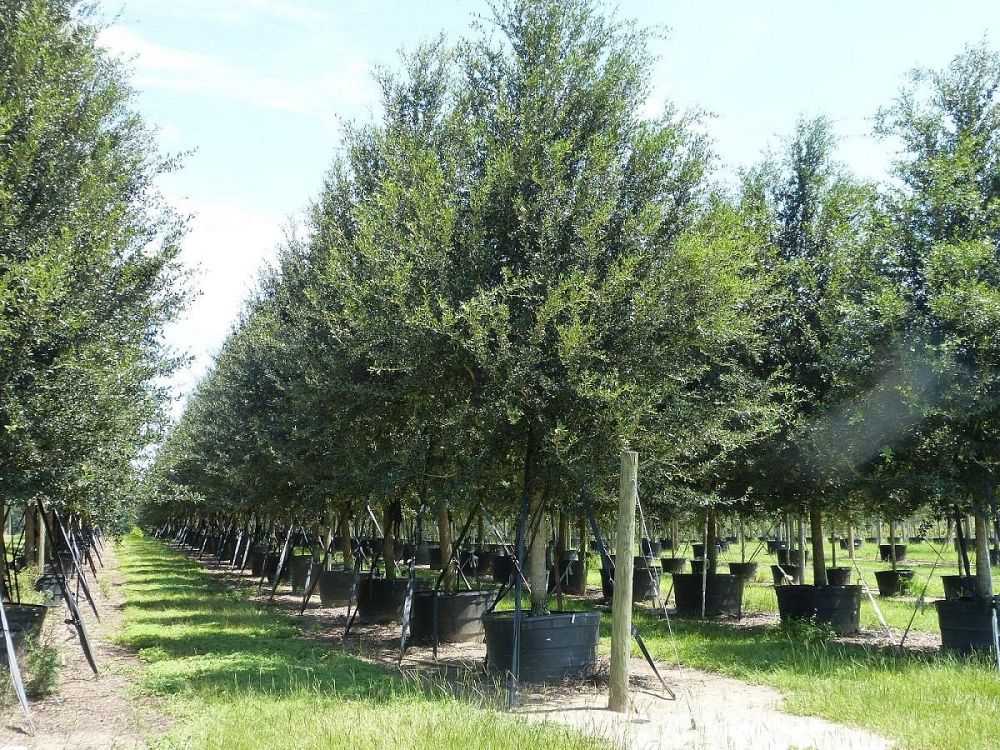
(947,217)
(832,333)
(88,271)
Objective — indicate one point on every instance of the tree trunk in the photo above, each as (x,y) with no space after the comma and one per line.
(892,543)
(850,541)
(801,543)
(537,573)
(819,558)
(711,545)
(345,535)
(30,534)
(562,537)
(984,576)
(444,539)
(393,510)
(584,548)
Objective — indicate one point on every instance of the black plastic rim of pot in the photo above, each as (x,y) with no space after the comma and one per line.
(723,595)
(553,647)
(836,606)
(459,615)
(966,625)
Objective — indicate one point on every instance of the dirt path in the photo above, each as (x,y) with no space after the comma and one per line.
(710,711)
(88,712)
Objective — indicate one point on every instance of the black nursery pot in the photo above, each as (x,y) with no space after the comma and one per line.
(645,580)
(459,616)
(23,620)
(435,560)
(422,554)
(958,587)
(745,570)
(257,562)
(723,595)
(966,624)
(552,647)
(893,582)
(885,552)
(299,567)
(380,600)
(335,587)
(838,576)
(779,577)
(773,545)
(673,564)
(503,568)
(650,548)
(836,606)
(271,567)
(571,573)
(791,557)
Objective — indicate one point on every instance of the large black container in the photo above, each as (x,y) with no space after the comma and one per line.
(335,587)
(299,569)
(673,564)
(746,570)
(24,620)
(723,595)
(380,601)
(484,562)
(271,567)
(459,616)
(959,587)
(844,543)
(649,548)
(893,582)
(791,557)
(645,580)
(422,553)
(551,647)
(837,606)
(779,573)
(571,573)
(257,555)
(503,568)
(773,545)
(436,560)
(838,576)
(885,552)
(966,624)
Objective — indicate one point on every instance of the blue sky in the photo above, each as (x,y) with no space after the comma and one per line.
(256,91)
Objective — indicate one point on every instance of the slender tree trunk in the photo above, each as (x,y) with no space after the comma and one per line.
(444,538)
(819,558)
(584,548)
(801,574)
(562,539)
(537,573)
(850,541)
(345,535)
(30,533)
(390,528)
(892,544)
(711,545)
(984,576)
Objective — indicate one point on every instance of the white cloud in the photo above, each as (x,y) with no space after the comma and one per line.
(227,246)
(343,88)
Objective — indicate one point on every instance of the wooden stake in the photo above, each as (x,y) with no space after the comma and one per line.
(621,608)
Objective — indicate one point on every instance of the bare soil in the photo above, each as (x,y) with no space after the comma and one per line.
(88,712)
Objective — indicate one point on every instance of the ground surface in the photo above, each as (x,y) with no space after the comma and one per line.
(710,710)
(88,712)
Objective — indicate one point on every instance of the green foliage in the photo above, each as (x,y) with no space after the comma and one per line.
(88,268)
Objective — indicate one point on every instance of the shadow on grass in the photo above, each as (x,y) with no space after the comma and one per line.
(222,643)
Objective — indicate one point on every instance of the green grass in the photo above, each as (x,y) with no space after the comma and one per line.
(237,677)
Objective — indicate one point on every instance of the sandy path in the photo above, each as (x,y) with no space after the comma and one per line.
(88,712)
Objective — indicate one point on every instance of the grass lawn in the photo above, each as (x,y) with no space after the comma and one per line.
(236,677)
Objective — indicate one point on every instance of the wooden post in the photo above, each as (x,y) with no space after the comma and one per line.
(621,608)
